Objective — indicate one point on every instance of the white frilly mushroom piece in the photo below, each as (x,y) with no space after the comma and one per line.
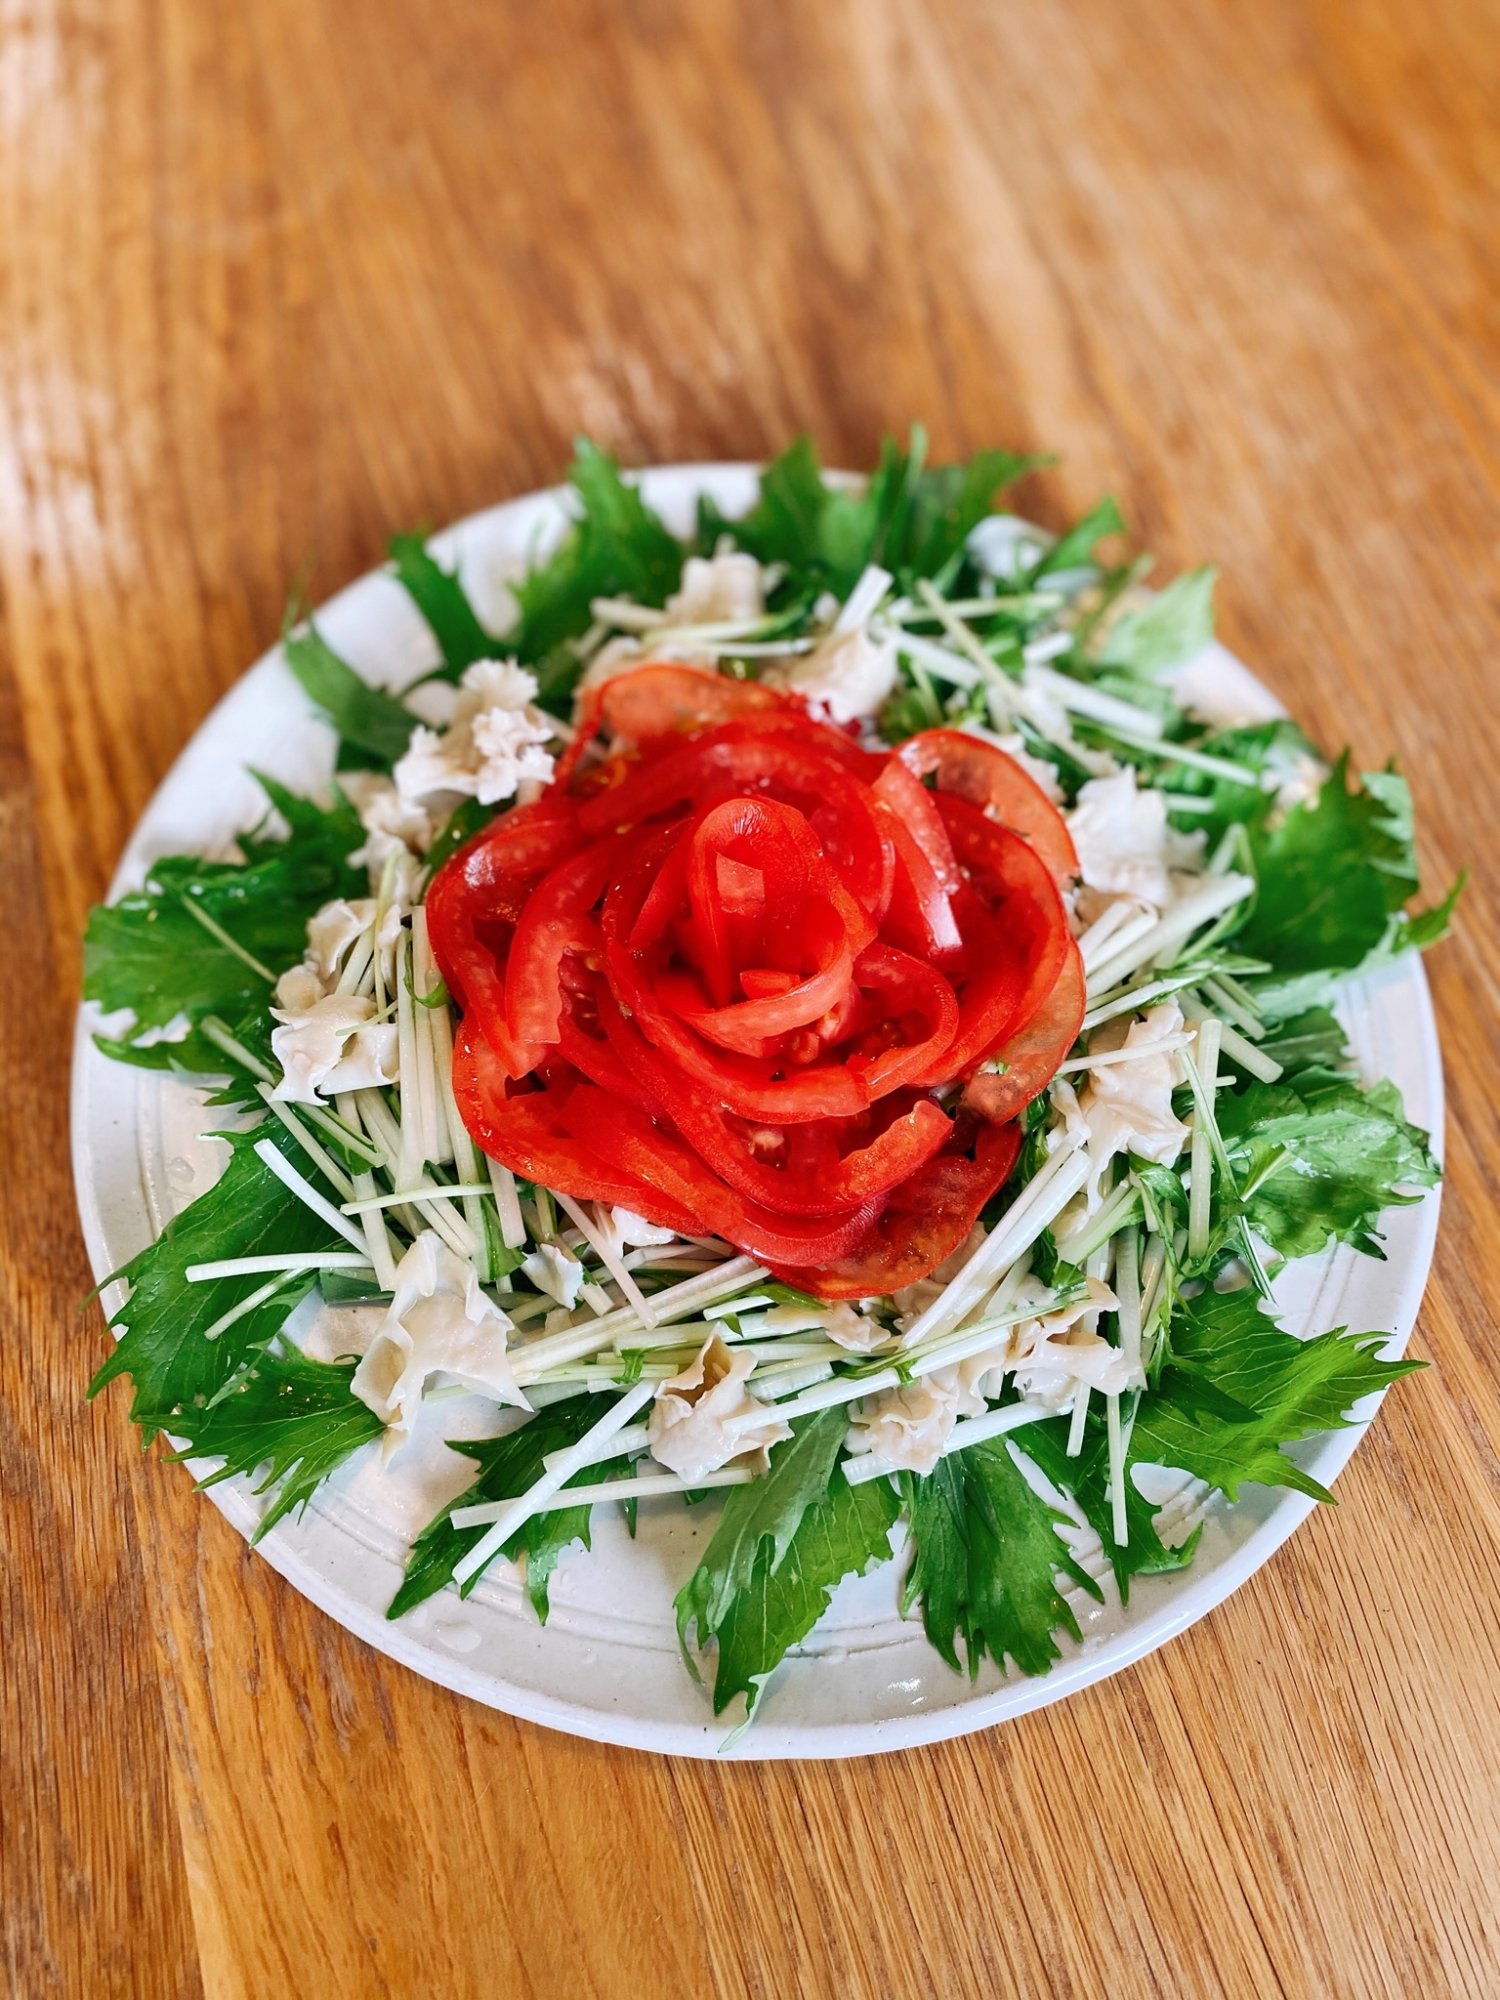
(718,589)
(908,1428)
(847,678)
(439,1322)
(692,1428)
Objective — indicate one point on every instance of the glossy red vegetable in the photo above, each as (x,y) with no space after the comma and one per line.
(735,972)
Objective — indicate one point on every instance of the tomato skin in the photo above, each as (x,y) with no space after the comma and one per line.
(983,776)
(925,1220)
(659,701)
(1032,1055)
(479,895)
(554,921)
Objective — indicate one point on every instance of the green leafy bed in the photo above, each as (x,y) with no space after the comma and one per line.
(1311,1157)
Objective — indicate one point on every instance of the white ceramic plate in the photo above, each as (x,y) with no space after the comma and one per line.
(606,1665)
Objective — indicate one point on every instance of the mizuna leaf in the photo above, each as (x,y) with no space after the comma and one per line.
(507,1466)
(292,1416)
(247,1212)
(845,1533)
(440,597)
(372,723)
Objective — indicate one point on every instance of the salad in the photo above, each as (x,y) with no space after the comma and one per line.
(829,1022)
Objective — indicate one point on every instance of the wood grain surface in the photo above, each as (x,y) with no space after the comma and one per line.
(277,278)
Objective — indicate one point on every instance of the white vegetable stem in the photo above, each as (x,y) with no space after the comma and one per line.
(1218,894)
(677,1302)
(608,1257)
(515,1513)
(1049,1191)
(643,1486)
(296,1260)
(288,1175)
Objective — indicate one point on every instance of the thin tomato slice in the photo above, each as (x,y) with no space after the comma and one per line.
(655,702)
(475,902)
(624,1139)
(555,921)
(924,1221)
(1030,929)
(968,768)
(526,1134)
(1031,1057)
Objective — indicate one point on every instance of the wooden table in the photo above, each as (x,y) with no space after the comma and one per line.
(280,277)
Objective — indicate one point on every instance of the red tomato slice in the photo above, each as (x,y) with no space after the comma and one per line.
(968,768)
(780,765)
(920,918)
(1031,1057)
(527,1135)
(924,1221)
(915,1017)
(655,702)
(1030,928)
(626,1140)
(765,1162)
(474,904)
(555,921)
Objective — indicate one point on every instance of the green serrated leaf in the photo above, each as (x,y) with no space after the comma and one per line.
(150,953)
(987,1559)
(248,1212)
(507,1466)
(844,1533)
(1346,1154)
(440,597)
(769,1511)
(617,547)
(1177,623)
(1295,1388)
(292,1416)
(371,722)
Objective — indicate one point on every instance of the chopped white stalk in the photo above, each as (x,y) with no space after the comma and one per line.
(609,1258)
(515,1513)
(1235,1046)
(636,1438)
(1136,1000)
(1124,937)
(1127,1290)
(1153,1279)
(297,1260)
(246,1306)
(435,1140)
(376,1236)
(938,659)
(864,600)
(425,1190)
(305,1192)
(1080,699)
(452,1228)
(956,630)
(462,1150)
(726,1306)
(969,1430)
(357,963)
(1197,760)
(1119,1521)
(624,615)
(1201,1164)
(1108,1056)
(847,1389)
(1104,928)
(218,933)
(320,1159)
(767,1384)
(215,1031)
(1051,1189)
(596,1298)
(378,1122)
(410,1154)
(508,1204)
(1245,1018)
(643,1486)
(679,1301)
(1049,646)
(1218,894)
(1080,1419)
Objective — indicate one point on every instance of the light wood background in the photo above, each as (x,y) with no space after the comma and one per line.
(276,278)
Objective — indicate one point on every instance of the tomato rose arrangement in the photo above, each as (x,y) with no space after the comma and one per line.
(735,977)
(827,1012)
